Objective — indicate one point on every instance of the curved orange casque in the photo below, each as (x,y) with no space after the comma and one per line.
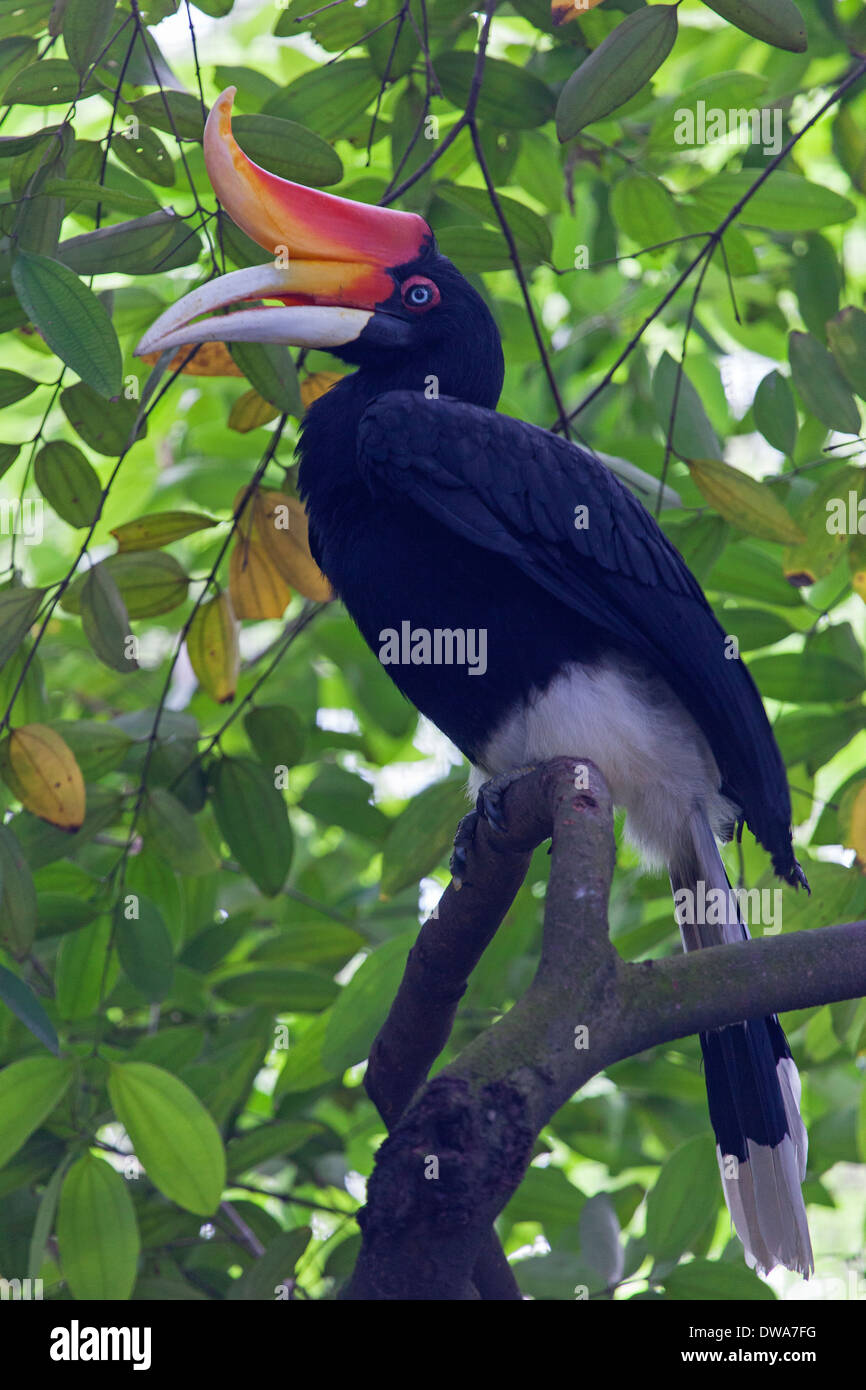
(308,224)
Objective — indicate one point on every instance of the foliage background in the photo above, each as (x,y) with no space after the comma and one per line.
(264,1003)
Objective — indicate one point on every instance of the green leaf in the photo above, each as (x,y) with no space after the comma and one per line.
(775,412)
(18,910)
(82,969)
(172,113)
(254,821)
(277,735)
(285,991)
(146,245)
(821,385)
(714,1280)
(8,455)
(363,1004)
(173,1135)
(269,368)
(693,437)
(846,335)
(17,995)
(257,1145)
(44,1223)
(807,678)
(684,1199)
(327,99)
(86,26)
(812,737)
(98,747)
(621,65)
(817,282)
(754,627)
(511,98)
(144,947)
(849,146)
(273,1267)
(18,609)
(29,1090)
(82,189)
(784,203)
(145,155)
(338,797)
(644,209)
(71,319)
(529,230)
(777,22)
(97,1233)
(14,387)
(105,620)
(68,482)
(150,582)
(422,834)
(288,149)
(49,82)
(171,831)
(105,425)
(303,1068)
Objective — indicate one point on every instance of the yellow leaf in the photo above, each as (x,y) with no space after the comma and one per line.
(744,501)
(852,818)
(257,590)
(213,650)
(280,523)
(41,770)
(212,359)
(316,384)
(250,411)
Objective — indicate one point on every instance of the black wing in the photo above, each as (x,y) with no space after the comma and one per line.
(514,489)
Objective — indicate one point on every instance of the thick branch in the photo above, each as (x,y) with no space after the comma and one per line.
(459,1152)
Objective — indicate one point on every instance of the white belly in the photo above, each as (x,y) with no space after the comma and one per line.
(654,758)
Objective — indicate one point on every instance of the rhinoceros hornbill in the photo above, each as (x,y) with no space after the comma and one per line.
(432,514)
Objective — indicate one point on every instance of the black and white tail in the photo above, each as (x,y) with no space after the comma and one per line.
(753,1088)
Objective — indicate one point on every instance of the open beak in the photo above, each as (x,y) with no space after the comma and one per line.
(330,266)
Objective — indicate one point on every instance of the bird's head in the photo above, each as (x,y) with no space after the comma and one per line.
(363,282)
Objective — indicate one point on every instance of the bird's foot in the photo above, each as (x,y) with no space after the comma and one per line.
(488,802)
(463,841)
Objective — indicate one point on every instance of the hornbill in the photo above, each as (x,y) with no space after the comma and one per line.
(431,513)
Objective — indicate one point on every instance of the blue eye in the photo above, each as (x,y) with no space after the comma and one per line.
(419,293)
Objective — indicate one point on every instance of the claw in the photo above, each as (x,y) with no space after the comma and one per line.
(460,853)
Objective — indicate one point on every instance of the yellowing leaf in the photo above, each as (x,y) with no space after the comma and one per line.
(744,501)
(257,589)
(251,410)
(852,819)
(318,383)
(212,359)
(213,650)
(280,523)
(158,529)
(42,772)
(825,521)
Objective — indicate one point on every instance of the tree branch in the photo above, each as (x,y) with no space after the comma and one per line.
(458,1153)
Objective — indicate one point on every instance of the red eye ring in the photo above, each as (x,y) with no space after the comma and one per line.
(418,303)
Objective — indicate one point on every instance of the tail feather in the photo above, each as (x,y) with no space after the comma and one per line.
(753,1088)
